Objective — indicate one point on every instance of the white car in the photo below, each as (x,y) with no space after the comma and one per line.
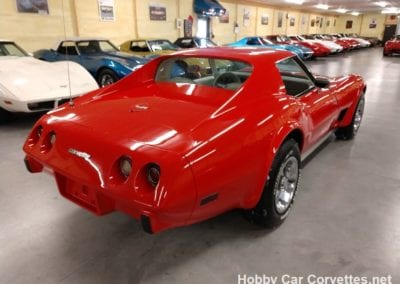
(333,47)
(31,85)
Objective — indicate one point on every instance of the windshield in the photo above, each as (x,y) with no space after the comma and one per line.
(212,72)
(162,45)
(205,42)
(11,49)
(266,41)
(95,46)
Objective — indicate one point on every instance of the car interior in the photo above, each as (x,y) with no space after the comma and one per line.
(219,73)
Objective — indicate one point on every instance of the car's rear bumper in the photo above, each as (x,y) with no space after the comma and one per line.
(103,200)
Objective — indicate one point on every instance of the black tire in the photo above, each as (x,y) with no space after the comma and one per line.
(106,77)
(268,213)
(348,132)
(5,116)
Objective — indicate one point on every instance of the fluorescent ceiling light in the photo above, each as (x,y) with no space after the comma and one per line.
(340,10)
(322,6)
(391,11)
(298,2)
(355,13)
(382,4)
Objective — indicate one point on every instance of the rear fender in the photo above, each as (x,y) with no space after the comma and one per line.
(283,133)
(350,112)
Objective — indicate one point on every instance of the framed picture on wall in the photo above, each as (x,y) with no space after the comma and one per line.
(33,6)
(280,19)
(106,10)
(313,23)
(246,17)
(334,22)
(372,24)
(349,24)
(264,19)
(303,20)
(224,19)
(157,12)
(321,23)
(328,23)
(292,21)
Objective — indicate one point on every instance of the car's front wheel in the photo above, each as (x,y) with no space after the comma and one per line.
(348,132)
(280,188)
(106,77)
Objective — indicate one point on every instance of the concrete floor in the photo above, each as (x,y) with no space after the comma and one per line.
(345,221)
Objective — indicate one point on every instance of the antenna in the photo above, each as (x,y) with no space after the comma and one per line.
(71,102)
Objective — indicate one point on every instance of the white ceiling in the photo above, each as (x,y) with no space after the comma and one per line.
(362,6)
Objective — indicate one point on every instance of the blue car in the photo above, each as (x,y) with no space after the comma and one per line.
(257,41)
(99,56)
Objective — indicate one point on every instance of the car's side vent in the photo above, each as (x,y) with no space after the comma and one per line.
(209,199)
(342,114)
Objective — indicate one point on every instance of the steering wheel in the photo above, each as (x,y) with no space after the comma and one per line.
(224,79)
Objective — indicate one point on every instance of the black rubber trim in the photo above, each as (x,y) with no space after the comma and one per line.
(28,166)
(342,114)
(209,199)
(146,224)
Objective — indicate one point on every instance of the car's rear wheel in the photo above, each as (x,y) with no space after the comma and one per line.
(5,116)
(348,132)
(106,77)
(280,188)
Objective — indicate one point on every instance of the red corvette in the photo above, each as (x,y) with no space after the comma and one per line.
(319,49)
(392,46)
(194,134)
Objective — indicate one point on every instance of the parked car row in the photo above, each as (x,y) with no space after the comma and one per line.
(27,87)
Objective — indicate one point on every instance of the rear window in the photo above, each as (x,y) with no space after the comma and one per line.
(213,72)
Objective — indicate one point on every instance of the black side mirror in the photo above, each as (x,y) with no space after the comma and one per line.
(321,82)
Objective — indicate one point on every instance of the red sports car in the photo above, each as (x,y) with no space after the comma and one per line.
(319,49)
(392,46)
(172,147)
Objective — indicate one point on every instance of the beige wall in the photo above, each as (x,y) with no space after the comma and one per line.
(81,18)
(35,31)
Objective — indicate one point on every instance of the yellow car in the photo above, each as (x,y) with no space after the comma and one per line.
(148,47)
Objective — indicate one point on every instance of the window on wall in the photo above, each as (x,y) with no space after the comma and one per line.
(202,25)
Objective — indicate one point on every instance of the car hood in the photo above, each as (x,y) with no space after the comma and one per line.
(30,79)
(123,57)
(157,119)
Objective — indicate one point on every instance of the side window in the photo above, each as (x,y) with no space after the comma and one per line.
(252,41)
(67,47)
(295,79)
(139,46)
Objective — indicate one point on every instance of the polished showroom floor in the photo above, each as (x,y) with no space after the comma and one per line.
(345,220)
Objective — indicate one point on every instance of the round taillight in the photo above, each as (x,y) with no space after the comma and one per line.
(125,165)
(153,174)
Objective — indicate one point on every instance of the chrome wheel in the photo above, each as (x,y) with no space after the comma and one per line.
(286,184)
(106,79)
(358,115)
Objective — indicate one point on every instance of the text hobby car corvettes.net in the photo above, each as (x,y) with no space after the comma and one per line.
(194,134)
